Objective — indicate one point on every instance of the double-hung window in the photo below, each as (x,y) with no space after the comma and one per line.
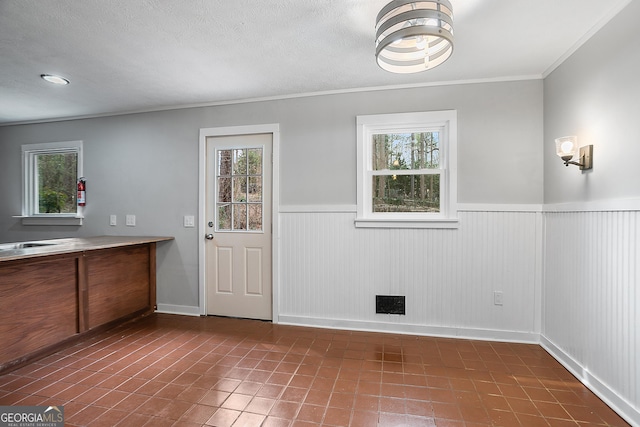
(50,176)
(407,170)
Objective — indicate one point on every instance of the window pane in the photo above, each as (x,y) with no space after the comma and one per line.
(224,190)
(239,188)
(57,178)
(406,151)
(255,189)
(224,163)
(255,217)
(406,193)
(224,217)
(255,161)
(239,162)
(239,217)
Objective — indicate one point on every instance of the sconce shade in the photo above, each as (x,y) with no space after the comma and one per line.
(567,147)
(414,36)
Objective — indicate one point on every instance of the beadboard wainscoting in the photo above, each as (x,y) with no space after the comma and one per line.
(330,273)
(591,302)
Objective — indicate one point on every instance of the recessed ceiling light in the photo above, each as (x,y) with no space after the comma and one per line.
(51,78)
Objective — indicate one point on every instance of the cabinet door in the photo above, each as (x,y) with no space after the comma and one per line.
(118,283)
(38,304)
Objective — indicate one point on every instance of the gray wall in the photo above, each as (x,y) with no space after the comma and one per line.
(592,239)
(595,95)
(147,164)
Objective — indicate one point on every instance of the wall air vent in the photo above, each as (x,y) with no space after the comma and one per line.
(390,304)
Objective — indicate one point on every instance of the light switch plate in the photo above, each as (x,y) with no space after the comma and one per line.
(113,220)
(189,221)
(131,220)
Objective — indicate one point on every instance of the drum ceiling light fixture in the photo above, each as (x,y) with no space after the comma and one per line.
(414,36)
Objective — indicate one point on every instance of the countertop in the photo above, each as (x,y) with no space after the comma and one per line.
(71,245)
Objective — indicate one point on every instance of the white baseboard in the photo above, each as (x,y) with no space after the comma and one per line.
(398,328)
(185,310)
(600,389)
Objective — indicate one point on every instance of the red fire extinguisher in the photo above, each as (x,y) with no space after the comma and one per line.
(82,188)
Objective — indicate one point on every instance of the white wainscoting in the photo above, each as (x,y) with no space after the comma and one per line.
(330,273)
(591,302)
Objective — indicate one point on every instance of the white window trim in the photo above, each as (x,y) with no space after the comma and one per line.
(29,151)
(383,123)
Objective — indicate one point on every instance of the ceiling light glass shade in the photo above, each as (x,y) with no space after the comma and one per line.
(51,78)
(414,36)
(567,147)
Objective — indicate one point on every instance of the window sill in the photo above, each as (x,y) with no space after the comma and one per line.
(52,220)
(448,223)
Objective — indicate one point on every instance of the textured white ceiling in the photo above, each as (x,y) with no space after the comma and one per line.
(141,55)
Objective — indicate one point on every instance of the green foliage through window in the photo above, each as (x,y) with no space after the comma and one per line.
(57,178)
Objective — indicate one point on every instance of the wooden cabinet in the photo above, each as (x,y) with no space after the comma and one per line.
(38,305)
(118,283)
(45,301)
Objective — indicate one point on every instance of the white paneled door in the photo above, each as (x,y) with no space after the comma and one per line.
(238,209)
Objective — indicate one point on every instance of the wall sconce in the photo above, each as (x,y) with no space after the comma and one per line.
(566,148)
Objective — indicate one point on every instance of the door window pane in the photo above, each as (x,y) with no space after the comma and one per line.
(224,217)
(239,216)
(254,189)
(239,186)
(255,217)
(224,190)
(239,162)
(224,163)
(255,161)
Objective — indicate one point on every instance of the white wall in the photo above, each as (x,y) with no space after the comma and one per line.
(592,239)
(331,273)
(591,301)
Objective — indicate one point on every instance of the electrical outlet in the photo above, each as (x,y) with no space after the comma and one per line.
(189,221)
(131,220)
(113,220)
(497,298)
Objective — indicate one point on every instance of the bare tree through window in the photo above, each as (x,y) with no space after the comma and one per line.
(406,177)
(240,193)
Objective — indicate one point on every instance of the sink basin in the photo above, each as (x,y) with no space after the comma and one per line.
(23,245)
(32,245)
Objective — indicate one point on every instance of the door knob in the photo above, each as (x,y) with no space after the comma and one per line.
(209,236)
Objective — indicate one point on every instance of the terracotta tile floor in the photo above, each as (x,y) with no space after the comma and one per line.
(186,371)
